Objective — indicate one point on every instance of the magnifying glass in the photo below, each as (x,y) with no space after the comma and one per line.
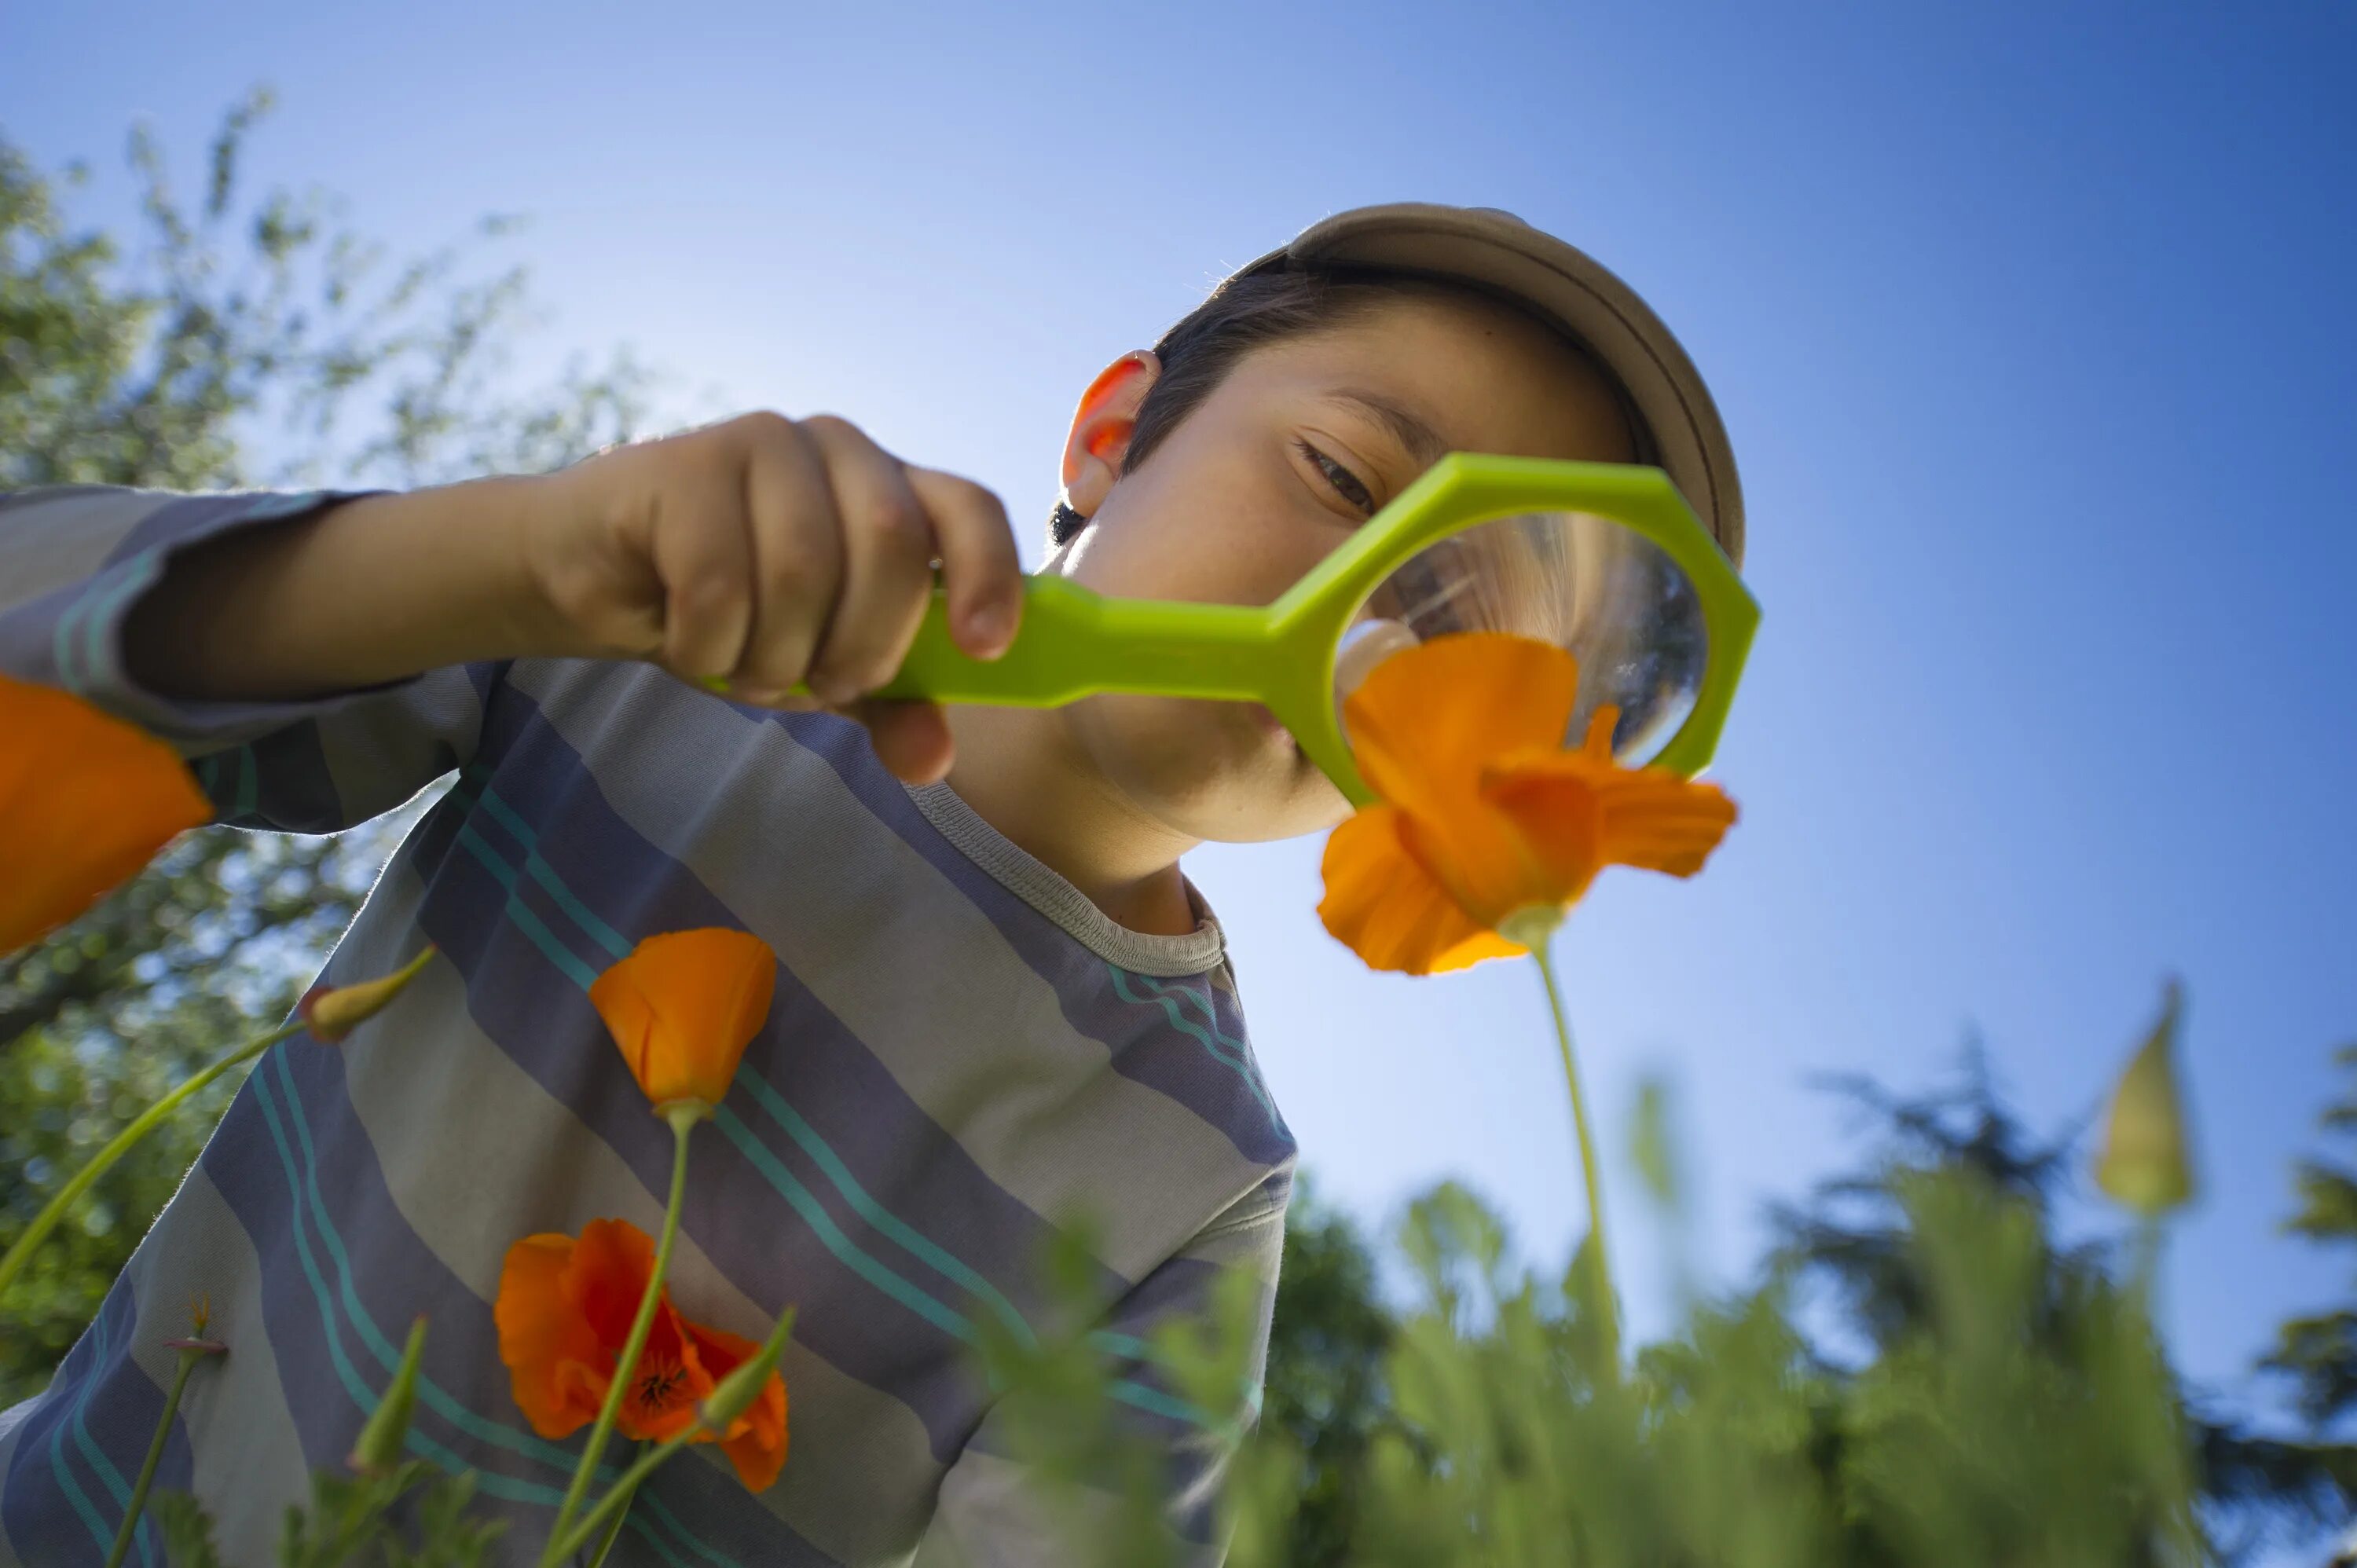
(1605,560)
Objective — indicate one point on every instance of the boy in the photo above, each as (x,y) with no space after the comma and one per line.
(999,1000)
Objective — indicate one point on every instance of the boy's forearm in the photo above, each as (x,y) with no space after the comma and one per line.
(376,589)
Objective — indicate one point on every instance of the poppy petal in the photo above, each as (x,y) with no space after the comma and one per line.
(682,1007)
(1568,803)
(1424,721)
(85,801)
(755,1441)
(606,1277)
(759,1451)
(555,1363)
(1382,901)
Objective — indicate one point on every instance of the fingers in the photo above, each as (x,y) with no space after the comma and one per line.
(803,554)
(887,571)
(795,530)
(706,572)
(980,569)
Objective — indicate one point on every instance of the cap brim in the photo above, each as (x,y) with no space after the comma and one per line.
(1499,253)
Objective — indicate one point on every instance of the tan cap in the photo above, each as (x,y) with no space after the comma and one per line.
(1498,253)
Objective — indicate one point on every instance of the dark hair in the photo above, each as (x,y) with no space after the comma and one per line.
(1247,313)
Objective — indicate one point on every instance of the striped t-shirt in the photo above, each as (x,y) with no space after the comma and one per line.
(963,1053)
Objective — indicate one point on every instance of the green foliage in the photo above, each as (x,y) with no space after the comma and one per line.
(181,356)
(2006,1424)
(65,1098)
(1924,1376)
(2318,1351)
(159,360)
(352,1522)
(1325,1389)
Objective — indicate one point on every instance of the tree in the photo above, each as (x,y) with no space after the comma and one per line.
(235,341)
(1851,1238)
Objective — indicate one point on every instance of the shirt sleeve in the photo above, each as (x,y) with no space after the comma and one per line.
(992,1512)
(75,560)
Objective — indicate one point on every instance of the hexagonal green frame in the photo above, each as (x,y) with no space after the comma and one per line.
(1075,642)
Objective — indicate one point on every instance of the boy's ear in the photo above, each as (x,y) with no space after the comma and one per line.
(1101,427)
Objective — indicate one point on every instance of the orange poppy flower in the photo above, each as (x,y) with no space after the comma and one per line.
(563,1313)
(85,801)
(684,1006)
(1487,825)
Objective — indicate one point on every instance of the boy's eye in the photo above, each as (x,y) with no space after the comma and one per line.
(1346,484)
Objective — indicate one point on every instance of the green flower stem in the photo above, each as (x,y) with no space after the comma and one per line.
(683,1115)
(19,1255)
(138,1505)
(1604,1301)
(618,1501)
(613,1526)
(727,1401)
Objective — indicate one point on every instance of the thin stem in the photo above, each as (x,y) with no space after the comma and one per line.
(19,1255)
(138,1505)
(617,1500)
(1604,1301)
(683,1118)
(712,1419)
(614,1528)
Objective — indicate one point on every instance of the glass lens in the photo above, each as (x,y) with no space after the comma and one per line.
(1600,590)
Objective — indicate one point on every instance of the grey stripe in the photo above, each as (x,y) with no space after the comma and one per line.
(381,750)
(249,1461)
(1033,882)
(62,534)
(993,1515)
(920,976)
(859,1482)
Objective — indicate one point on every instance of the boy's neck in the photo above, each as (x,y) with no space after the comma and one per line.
(1019,771)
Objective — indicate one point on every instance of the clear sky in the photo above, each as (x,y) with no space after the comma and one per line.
(2032,325)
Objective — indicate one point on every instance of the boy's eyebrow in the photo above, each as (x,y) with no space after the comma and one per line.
(1424,443)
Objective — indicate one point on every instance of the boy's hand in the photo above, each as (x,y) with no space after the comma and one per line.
(770,552)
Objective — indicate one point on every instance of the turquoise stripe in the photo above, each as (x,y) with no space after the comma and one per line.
(545,875)
(1186,1025)
(84,622)
(841,1246)
(138,572)
(547,941)
(782,1181)
(429,1394)
(806,1137)
(61,643)
(132,575)
(361,1394)
(121,1489)
(99,1529)
(775,1106)
(1159,1403)
(491,1484)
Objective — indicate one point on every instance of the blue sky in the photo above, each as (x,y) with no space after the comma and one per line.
(2032,324)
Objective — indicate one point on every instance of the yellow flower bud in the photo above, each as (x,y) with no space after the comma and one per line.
(2145,1163)
(330,1013)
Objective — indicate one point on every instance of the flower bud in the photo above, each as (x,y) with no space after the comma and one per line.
(733,1395)
(378,1451)
(2145,1164)
(332,1012)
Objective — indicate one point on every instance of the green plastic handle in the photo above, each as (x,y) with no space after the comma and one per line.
(1074,642)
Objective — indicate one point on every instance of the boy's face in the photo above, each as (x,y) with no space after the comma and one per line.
(1275,469)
